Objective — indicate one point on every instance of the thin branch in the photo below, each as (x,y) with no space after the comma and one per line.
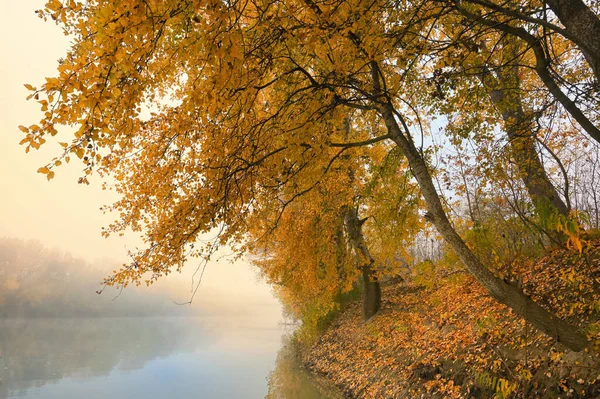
(361,143)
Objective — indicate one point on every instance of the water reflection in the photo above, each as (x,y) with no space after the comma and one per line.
(35,352)
(153,358)
(288,381)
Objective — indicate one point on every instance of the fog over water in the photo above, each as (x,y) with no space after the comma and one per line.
(60,339)
(135,357)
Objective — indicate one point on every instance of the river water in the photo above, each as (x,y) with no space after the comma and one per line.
(148,358)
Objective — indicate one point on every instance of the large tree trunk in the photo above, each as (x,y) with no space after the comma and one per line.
(540,188)
(372,293)
(505,292)
(506,96)
(583,26)
(372,288)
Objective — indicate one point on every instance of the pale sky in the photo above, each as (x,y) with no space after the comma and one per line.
(63,214)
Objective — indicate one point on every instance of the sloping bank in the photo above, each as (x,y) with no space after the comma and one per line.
(443,337)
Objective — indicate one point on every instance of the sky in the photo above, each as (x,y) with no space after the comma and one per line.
(61,213)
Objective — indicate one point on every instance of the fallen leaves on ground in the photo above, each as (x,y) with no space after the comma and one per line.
(449,339)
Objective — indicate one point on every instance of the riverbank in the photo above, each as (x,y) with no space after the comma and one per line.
(440,335)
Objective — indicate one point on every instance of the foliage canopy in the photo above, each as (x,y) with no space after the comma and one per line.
(265,119)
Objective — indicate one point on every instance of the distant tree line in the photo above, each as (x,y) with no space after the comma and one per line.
(39,282)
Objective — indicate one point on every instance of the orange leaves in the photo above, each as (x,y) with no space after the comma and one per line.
(54,5)
(219,116)
(79,152)
(453,340)
(211,115)
(46,171)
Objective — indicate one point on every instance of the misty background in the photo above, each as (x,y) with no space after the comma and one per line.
(59,222)
(36,281)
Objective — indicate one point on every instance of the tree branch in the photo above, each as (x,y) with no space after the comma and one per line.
(361,143)
(541,68)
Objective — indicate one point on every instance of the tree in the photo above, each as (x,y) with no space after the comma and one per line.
(302,252)
(533,27)
(314,250)
(580,21)
(372,288)
(247,100)
(503,85)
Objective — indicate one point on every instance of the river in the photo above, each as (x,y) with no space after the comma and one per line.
(148,358)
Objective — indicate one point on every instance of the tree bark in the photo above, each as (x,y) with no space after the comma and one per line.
(372,288)
(583,26)
(521,139)
(504,292)
(542,65)
(372,295)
